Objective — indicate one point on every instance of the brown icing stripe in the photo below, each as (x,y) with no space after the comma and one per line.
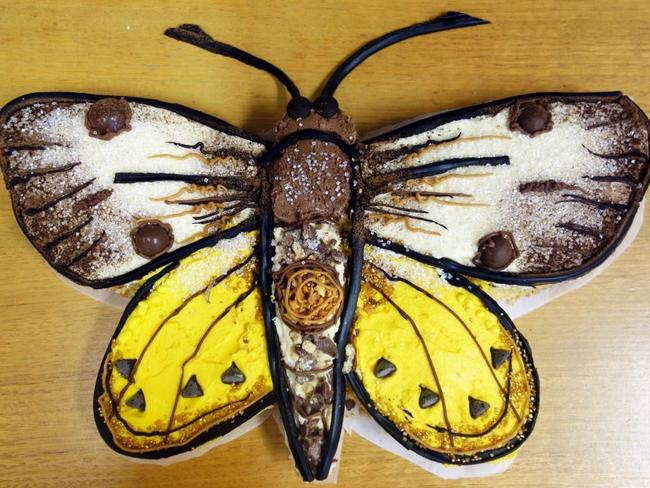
(87,251)
(18,179)
(64,235)
(31,211)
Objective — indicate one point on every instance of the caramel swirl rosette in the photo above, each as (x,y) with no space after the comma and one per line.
(309,294)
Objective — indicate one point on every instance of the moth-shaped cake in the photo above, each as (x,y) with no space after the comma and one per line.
(272,271)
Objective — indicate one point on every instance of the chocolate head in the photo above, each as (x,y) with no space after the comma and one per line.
(108,117)
(496,251)
(324,115)
(151,238)
(532,118)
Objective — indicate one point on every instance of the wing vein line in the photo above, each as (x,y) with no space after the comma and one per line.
(410,320)
(241,298)
(174,313)
(462,322)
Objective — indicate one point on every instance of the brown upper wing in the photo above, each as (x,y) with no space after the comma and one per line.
(108,189)
(531,189)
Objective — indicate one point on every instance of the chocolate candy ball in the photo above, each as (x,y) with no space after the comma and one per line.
(531,118)
(108,117)
(496,251)
(151,238)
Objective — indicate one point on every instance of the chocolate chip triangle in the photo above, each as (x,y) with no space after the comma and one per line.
(125,367)
(137,401)
(192,388)
(384,368)
(233,375)
(427,397)
(477,407)
(499,356)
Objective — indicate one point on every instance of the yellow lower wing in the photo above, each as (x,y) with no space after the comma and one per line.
(440,368)
(189,357)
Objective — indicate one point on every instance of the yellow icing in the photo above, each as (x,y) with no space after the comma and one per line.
(189,326)
(462,368)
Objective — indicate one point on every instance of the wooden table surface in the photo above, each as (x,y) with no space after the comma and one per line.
(592,348)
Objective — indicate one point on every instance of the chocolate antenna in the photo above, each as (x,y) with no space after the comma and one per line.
(193,34)
(447,21)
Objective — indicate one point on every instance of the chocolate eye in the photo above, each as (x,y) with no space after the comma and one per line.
(326,106)
(298,108)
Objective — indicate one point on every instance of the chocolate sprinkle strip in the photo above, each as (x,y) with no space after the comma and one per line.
(572,198)
(581,229)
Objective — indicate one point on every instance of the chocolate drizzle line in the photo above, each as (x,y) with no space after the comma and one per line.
(627,180)
(374,209)
(378,184)
(572,198)
(458,319)
(397,207)
(627,155)
(243,296)
(499,419)
(581,229)
(173,314)
(218,214)
(25,177)
(63,236)
(410,320)
(31,211)
(87,251)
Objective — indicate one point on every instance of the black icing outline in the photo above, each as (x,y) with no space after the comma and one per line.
(212,433)
(484,456)
(489,108)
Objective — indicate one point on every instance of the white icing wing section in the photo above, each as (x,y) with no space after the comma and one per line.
(563,195)
(79,202)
